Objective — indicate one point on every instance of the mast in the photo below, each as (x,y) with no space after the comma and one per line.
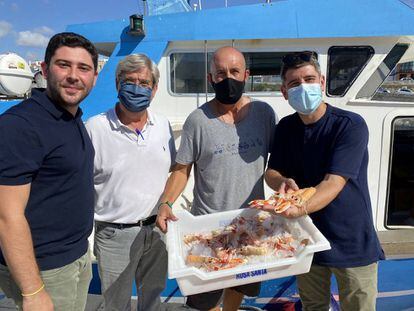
(145,7)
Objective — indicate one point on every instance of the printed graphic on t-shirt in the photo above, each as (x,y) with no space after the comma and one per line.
(241,147)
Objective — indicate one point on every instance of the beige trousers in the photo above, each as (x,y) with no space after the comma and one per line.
(357,288)
(67,286)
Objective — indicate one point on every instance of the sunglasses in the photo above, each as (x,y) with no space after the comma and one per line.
(298,57)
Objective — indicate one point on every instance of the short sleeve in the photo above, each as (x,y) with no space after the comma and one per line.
(92,127)
(21,151)
(187,151)
(171,144)
(275,160)
(273,122)
(349,151)
(270,119)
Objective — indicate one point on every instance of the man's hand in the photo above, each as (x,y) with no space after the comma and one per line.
(287,185)
(39,302)
(326,191)
(174,186)
(164,214)
(294,211)
(279,183)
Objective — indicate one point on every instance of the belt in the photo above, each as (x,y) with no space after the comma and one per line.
(144,222)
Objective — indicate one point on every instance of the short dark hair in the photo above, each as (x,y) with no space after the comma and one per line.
(297,60)
(73,40)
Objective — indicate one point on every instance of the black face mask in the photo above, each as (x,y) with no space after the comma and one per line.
(228,91)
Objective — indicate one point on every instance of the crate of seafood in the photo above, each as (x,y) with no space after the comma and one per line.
(238,247)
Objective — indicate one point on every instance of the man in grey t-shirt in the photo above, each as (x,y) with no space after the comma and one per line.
(228,141)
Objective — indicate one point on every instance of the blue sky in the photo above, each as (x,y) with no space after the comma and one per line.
(27,25)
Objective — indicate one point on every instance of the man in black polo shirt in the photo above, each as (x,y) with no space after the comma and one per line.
(326,147)
(46,184)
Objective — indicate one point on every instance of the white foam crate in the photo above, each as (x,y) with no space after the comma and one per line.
(192,280)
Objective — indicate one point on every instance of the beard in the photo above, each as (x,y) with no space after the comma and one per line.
(57,93)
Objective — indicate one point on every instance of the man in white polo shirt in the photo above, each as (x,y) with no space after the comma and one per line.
(134,151)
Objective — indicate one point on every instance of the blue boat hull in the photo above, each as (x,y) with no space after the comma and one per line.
(395,289)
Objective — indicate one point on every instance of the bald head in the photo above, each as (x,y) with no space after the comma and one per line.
(228,62)
(227,55)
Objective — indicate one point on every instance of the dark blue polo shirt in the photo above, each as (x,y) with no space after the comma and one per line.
(43,144)
(335,144)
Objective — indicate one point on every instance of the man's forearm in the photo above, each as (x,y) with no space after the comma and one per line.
(326,191)
(17,248)
(176,183)
(174,187)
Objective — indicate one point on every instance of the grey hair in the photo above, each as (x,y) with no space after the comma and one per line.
(136,62)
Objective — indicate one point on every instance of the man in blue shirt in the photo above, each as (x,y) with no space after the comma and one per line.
(326,147)
(46,184)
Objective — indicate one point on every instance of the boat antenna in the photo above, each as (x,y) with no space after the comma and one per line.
(142,4)
(145,7)
(199,5)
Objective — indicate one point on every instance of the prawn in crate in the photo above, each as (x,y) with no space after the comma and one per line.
(282,201)
(244,240)
(237,247)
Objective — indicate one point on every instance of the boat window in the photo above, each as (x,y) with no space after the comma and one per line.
(187,72)
(400,196)
(389,77)
(344,66)
(264,70)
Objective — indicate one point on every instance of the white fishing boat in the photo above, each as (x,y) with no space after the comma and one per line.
(358,44)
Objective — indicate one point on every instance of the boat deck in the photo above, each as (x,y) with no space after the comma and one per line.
(94,304)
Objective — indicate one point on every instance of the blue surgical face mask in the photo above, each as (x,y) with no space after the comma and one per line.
(305,98)
(133,97)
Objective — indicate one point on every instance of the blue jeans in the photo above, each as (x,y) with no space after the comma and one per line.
(129,254)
